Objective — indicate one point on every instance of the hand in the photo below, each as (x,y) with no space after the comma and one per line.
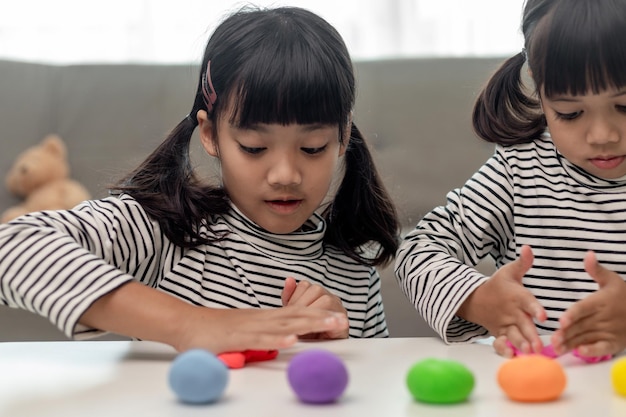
(306,294)
(231,330)
(137,310)
(504,307)
(596,325)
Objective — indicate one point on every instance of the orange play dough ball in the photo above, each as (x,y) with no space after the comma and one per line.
(532,378)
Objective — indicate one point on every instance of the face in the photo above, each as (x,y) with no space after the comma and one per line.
(590,130)
(276,175)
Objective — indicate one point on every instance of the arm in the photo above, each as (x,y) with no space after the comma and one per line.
(435,263)
(57,263)
(146,313)
(77,267)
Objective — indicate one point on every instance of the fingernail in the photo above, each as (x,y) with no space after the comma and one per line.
(525,347)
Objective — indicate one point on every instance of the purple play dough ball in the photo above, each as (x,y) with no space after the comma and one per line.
(317,376)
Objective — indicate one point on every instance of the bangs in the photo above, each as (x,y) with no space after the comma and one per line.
(585,49)
(299,84)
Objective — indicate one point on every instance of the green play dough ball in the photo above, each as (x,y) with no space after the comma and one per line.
(440,381)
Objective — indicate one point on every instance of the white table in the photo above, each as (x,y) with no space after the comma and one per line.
(119,378)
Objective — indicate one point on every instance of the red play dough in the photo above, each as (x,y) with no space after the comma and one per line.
(236,360)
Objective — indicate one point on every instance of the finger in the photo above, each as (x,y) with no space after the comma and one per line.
(298,320)
(288,289)
(566,339)
(502,348)
(330,335)
(299,294)
(271,342)
(596,271)
(582,309)
(578,312)
(260,342)
(556,340)
(596,349)
(582,333)
(523,263)
(336,323)
(283,331)
(531,340)
(517,339)
(318,297)
(339,334)
(534,309)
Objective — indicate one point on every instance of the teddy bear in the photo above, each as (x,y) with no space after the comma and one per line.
(40,177)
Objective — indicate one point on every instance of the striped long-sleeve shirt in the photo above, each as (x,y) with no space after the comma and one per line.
(57,263)
(523,195)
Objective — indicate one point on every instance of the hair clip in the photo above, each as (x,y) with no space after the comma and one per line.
(207,88)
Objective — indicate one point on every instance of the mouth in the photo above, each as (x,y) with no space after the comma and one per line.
(607,162)
(284,206)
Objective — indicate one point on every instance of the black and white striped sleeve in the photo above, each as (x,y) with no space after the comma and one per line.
(57,263)
(436,260)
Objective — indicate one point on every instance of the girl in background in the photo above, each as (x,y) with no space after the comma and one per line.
(275,252)
(550,205)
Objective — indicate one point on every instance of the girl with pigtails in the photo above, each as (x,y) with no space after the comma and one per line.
(283,247)
(549,207)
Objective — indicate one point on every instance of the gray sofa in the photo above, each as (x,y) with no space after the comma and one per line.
(415,112)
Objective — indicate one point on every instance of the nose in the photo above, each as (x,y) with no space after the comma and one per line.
(602,131)
(284,171)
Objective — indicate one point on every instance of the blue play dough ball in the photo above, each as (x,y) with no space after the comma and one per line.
(317,376)
(197,376)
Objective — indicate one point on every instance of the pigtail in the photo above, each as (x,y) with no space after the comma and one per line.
(166,187)
(362,211)
(504,113)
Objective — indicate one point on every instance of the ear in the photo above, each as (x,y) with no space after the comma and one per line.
(209,143)
(54,145)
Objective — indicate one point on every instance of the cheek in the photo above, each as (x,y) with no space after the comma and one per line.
(231,172)
(567,146)
(330,172)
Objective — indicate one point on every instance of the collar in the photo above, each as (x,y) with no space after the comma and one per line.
(306,243)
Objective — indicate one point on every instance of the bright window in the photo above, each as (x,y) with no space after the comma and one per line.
(175,31)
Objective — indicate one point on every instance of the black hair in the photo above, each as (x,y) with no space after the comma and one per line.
(570,47)
(283,65)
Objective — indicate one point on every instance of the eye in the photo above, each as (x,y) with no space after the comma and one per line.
(314,151)
(621,108)
(568,116)
(251,151)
